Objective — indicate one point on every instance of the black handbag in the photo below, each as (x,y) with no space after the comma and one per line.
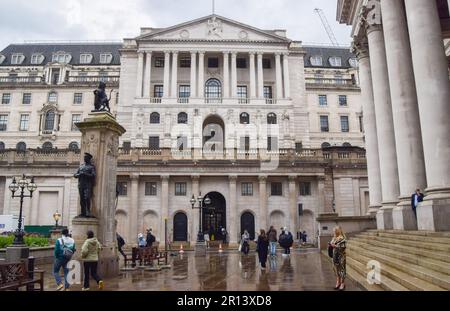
(330,251)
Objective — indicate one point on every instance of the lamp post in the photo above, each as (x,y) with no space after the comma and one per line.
(56,217)
(201,201)
(14,187)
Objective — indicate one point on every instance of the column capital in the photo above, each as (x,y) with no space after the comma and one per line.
(232,178)
(148,52)
(195,177)
(134,177)
(372,13)
(292,178)
(252,53)
(262,178)
(260,54)
(193,52)
(285,54)
(140,53)
(226,53)
(278,54)
(166,52)
(360,47)
(201,53)
(165,177)
(175,52)
(234,53)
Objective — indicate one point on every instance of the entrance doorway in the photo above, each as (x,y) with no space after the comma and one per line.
(214,216)
(248,223)
(180,227)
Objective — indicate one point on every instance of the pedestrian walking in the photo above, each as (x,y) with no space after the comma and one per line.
(304,237)
(141,240)
(416,198)
(120,244)
(89,254)
(338,245)
(272,235)
(262,247)
(286,240)
(64,250)
(245,239)
(150,239)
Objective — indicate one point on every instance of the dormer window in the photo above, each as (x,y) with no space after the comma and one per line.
(316,60)
(2,58)
(106,58)
(335,61)
(61,57)
(37,59)
(86,58)
(353,62)
(17,59)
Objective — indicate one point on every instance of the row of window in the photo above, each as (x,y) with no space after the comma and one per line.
(334,61)
(244,118)
(60,57)
(151,188)
(323,100)
(22,147)
(325,127)
(51,98)
(213,62)
(48,122)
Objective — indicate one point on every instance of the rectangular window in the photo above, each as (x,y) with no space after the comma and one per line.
(126,145)
(245,143)
(342,100)
(324,127)
(180,189)
(122,188)
(26,99)
(268,92)
(323,101)
(344,124)
(158,91)
(36,59)
(6,99)
(247,189)
(105,58)
(24,122)
(153,143)
(151,189)
(298,147)
(241,63)
(16,59)
(242,91)
(76,118)
(159,62)
(78,98)
(267,64)
(213,62)
(3,122)
(182,143)
(272,143)
(276,189)
(305,188)
(185,62)
(184,91)
(85,58)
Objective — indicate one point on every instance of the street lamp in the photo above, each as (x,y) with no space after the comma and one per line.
(14,187)
(201,202)
(56,217)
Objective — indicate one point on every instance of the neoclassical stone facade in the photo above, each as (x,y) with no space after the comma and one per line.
(404,72)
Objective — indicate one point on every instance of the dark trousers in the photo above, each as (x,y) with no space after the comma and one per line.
(123,253)
(262,258)
(287,250)
(90,267)
(415,212)
(245,248)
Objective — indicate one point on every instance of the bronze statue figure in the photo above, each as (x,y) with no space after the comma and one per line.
(101,102)
(86,179)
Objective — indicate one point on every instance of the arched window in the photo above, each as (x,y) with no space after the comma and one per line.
(182,118)
(154,118)
(326,145)
(346,145)
(244,118)
(271,118)
(2,145)
(47,146)
(73,146)
(213,89)
(49,124)
(21,146)
(52,97)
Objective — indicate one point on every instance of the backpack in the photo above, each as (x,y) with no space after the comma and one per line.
(152,238)
(67,253)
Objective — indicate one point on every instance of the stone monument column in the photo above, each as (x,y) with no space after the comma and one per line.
(293,213)
(232,230)
(263,201)
(100,138)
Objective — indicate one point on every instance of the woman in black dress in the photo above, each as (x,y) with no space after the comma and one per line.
(263,248)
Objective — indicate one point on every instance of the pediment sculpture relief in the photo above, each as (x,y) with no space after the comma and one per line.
(214,28)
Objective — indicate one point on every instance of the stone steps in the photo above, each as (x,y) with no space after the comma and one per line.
(400,235)
(424,245)
(412,233)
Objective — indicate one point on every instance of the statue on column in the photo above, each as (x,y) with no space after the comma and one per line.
(86,180)
(101,102)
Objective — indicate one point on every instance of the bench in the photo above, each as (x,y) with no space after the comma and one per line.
(16,275)
(147,256)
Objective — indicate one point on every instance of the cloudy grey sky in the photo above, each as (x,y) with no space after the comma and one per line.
(22,20)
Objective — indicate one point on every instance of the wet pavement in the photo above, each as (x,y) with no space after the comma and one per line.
(305,270)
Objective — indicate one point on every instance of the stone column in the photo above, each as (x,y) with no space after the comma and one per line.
(166,74)
(134,207)
(263,214)
(147,74)
(433,93)
(370,126)
(201,74)
(252,75)
(385,124)
(174,87)
(193,74)
(293,216)
(100,137)
(287,80)
(279,76)
(410,159)
(260,77)
(139,78)
(232,226)
(226,74)
(233,75)
(194,211)
(321,194)
(164,207)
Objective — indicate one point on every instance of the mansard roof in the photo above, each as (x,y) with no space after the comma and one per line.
(75,50)
(326,53)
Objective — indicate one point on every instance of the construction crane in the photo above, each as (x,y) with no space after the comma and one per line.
(327,27)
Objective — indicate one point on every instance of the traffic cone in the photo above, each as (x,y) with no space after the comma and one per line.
(181,249)
(220,248)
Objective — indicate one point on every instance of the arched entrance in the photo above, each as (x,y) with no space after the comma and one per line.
(277,220)
(180,227)
(248,223)
(213,134)
(214,215)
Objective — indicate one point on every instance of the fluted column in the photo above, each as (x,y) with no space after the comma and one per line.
(410,159)
(226,74)
(174,88)
(287,79)
(233,233)
(263,201)
(252,74)
(147,73)
(385,124)
(164,206)
(194,212)
(193,74)
(433,93)
(279,76)
(260,77)
(293,222)
(370,127)
(166,74)
(233,75)
(139,77)
(201,74)
(134,206)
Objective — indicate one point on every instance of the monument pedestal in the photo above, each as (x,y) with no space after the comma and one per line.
(200,249)
(434,215)
(17,253)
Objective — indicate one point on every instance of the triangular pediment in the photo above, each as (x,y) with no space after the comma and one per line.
(213,27)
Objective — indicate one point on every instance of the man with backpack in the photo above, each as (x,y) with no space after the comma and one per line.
(64,250)
(286,241)
(150,239)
